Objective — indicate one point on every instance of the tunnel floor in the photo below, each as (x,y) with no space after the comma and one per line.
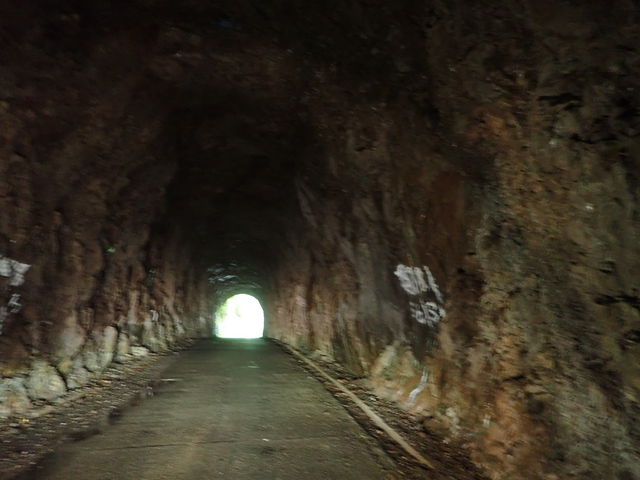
(233,409)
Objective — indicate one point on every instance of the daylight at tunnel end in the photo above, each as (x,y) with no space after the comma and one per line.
(240,316)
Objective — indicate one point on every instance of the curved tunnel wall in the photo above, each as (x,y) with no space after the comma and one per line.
(442,197)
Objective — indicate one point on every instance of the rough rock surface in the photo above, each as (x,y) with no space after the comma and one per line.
(25,440)
(442,196)
(13,397)
(44,382)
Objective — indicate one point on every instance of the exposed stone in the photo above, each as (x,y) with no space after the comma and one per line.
(150,337)
(13,397)
(108,345)
(91,358)
(123,348)
(69,340)
(137,351)
(44,382)
(100,350)
(77,376)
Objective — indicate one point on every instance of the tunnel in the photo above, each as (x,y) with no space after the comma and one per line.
(440,198)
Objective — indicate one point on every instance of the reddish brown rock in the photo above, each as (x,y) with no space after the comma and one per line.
(442,196)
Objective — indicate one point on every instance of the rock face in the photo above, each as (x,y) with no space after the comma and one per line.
(13,397)
(44,382)
(443,196)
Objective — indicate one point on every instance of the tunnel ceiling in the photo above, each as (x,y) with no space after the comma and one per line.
(214,95)
(205,94)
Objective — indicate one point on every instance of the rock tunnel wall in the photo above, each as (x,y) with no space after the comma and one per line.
(96,287)
(128,147)
(441,196)
(472,249)
(82,186)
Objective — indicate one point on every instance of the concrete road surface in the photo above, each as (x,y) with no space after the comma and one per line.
(231,409)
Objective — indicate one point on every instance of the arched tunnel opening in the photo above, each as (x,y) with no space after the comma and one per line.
(240,316)
(438,198)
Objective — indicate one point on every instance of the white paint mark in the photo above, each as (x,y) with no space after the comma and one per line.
(154,316)
(411,279)
(5,266)
(427,313)
(432,284)
(13,270)
(420,388)
(420,281)
(14,303)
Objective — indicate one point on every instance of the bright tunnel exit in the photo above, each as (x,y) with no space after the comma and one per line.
(241,316)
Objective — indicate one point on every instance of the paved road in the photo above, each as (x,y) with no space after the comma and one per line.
(237,409)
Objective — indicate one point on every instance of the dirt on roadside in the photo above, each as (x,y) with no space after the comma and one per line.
(451,461)
(25,441)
